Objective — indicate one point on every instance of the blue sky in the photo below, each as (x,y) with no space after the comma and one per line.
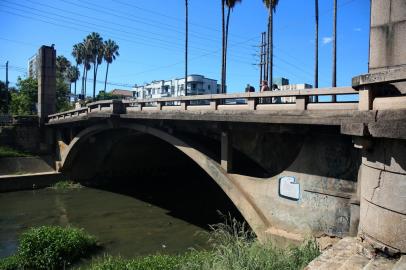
(150,34)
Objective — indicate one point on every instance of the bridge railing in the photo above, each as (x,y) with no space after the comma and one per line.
(270,100)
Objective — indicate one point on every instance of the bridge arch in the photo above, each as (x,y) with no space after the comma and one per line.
(227,182)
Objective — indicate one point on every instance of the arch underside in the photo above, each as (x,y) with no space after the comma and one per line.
(243,201)
(323,165)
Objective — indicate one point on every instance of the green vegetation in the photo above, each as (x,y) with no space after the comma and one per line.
(64,185)
(4,98)
(50,247)
(6,151)
(234,247)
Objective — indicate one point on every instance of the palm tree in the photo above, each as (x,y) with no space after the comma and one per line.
(77,52)
(316,48)
(186,41)
(271,5)
(94,44)
(62,65)
(110,53)
(230,5)
(72,74)
(334,80)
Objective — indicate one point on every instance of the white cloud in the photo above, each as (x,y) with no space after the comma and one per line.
(358,29)
(327,40)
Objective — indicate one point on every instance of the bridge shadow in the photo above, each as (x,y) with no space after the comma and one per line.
(151,170)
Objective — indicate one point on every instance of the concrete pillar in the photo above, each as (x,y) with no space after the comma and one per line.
(387,37)
(383,195)
(226,151)
(46,82)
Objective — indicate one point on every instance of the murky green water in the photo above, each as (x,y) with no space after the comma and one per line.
(125,225)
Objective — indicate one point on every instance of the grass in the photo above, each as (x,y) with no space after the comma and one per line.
(6,151)
(50,247)
(234,248)
(65,185)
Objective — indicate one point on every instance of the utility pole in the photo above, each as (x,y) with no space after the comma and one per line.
(7,101)
(316,53)
(7,76)
(266,53)
(261,63)
(334,79)
(186,44)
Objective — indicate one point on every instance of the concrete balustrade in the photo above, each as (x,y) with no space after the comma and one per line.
(216,102)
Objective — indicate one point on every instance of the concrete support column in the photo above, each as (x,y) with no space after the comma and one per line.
(46,82)
(184,104)
(301,102)
(366,99)
(387,37)
(213,105)
(226,151)
(383,195)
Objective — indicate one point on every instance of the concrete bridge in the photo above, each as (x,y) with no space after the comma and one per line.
(292,169)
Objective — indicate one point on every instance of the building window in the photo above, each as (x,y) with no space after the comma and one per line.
(208,86)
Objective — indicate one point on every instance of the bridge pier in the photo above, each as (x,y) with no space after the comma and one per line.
(383,201)
(226,151)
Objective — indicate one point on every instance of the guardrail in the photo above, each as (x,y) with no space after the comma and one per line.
(270,100)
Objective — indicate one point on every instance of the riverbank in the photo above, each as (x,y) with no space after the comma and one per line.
(23,171)
(233,246)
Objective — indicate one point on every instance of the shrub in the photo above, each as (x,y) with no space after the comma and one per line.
(53,247)
(64,185)
(9,263)
(6,151)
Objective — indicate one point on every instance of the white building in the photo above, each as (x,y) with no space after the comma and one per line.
(292,87)
(33,66)
(197,85)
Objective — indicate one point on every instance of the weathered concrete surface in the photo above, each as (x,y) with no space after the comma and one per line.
(387,37)
(25,165)
(29,181)
(46,82)
(383,200)
(351,254)
(326,183)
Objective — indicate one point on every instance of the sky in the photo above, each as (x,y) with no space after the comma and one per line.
(151,36)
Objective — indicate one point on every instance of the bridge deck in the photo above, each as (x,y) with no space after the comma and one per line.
(385,119)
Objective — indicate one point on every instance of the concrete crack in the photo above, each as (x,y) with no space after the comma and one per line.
(377,186)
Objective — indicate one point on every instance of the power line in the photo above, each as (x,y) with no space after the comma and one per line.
(72,21)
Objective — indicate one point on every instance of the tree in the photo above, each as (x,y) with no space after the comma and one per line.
(94,45)
(62,95)
(62,65)
(110,53)
(77,53)
(186,41)
(72,74)
(4,98)
(271,5)
(230,6)
(24,100)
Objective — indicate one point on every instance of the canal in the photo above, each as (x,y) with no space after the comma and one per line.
(144,213)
